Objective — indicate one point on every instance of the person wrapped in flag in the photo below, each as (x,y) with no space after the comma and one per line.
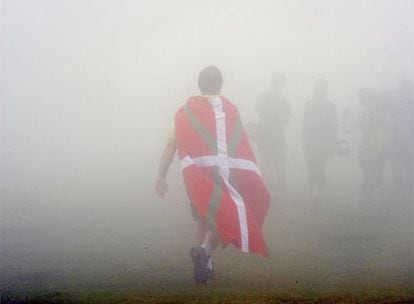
(227,193)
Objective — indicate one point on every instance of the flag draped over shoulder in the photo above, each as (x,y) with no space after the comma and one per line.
(220,172)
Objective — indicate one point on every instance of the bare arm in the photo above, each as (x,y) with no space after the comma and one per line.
(166,158)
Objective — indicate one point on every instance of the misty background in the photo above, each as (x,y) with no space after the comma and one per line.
(88,94)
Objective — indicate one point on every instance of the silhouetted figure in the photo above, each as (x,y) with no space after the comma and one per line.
(320,126)
(273,110)
(372,123)
(401,139)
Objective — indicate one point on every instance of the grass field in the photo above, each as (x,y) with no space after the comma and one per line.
(339,268)
(331,253)
(212,293)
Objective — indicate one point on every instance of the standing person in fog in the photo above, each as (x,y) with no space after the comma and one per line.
(401,140)
(320,127)
(372,123)
(273,110)
(227,194)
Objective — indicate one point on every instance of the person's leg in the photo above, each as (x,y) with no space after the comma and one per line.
(366,183)
(268,170)
(377,180)
(209,244)
(202,255)
(320,175)
(201,231)
(310,163)
(280,173)
(317,174)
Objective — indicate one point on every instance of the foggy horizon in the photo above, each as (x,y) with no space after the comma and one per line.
(89,90)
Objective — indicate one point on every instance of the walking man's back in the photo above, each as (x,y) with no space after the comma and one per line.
(228,198)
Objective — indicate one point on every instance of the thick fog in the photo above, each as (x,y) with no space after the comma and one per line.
(89,90)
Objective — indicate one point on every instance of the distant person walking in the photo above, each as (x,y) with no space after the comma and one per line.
(401,140)
(319,135)
(372,123)
(273,110)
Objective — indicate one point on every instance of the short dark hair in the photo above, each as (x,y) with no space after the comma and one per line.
(210,80)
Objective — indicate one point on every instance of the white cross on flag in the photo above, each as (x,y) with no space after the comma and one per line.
(222,179)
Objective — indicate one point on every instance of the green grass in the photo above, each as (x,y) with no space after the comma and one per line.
(328,256)
(210,294)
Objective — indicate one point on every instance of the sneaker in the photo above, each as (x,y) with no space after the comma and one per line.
(200,271)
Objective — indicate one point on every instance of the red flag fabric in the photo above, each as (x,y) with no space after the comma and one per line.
(220,172)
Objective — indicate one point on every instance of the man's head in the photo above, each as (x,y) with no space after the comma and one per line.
(320,88)
(210,81)
(278,81)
